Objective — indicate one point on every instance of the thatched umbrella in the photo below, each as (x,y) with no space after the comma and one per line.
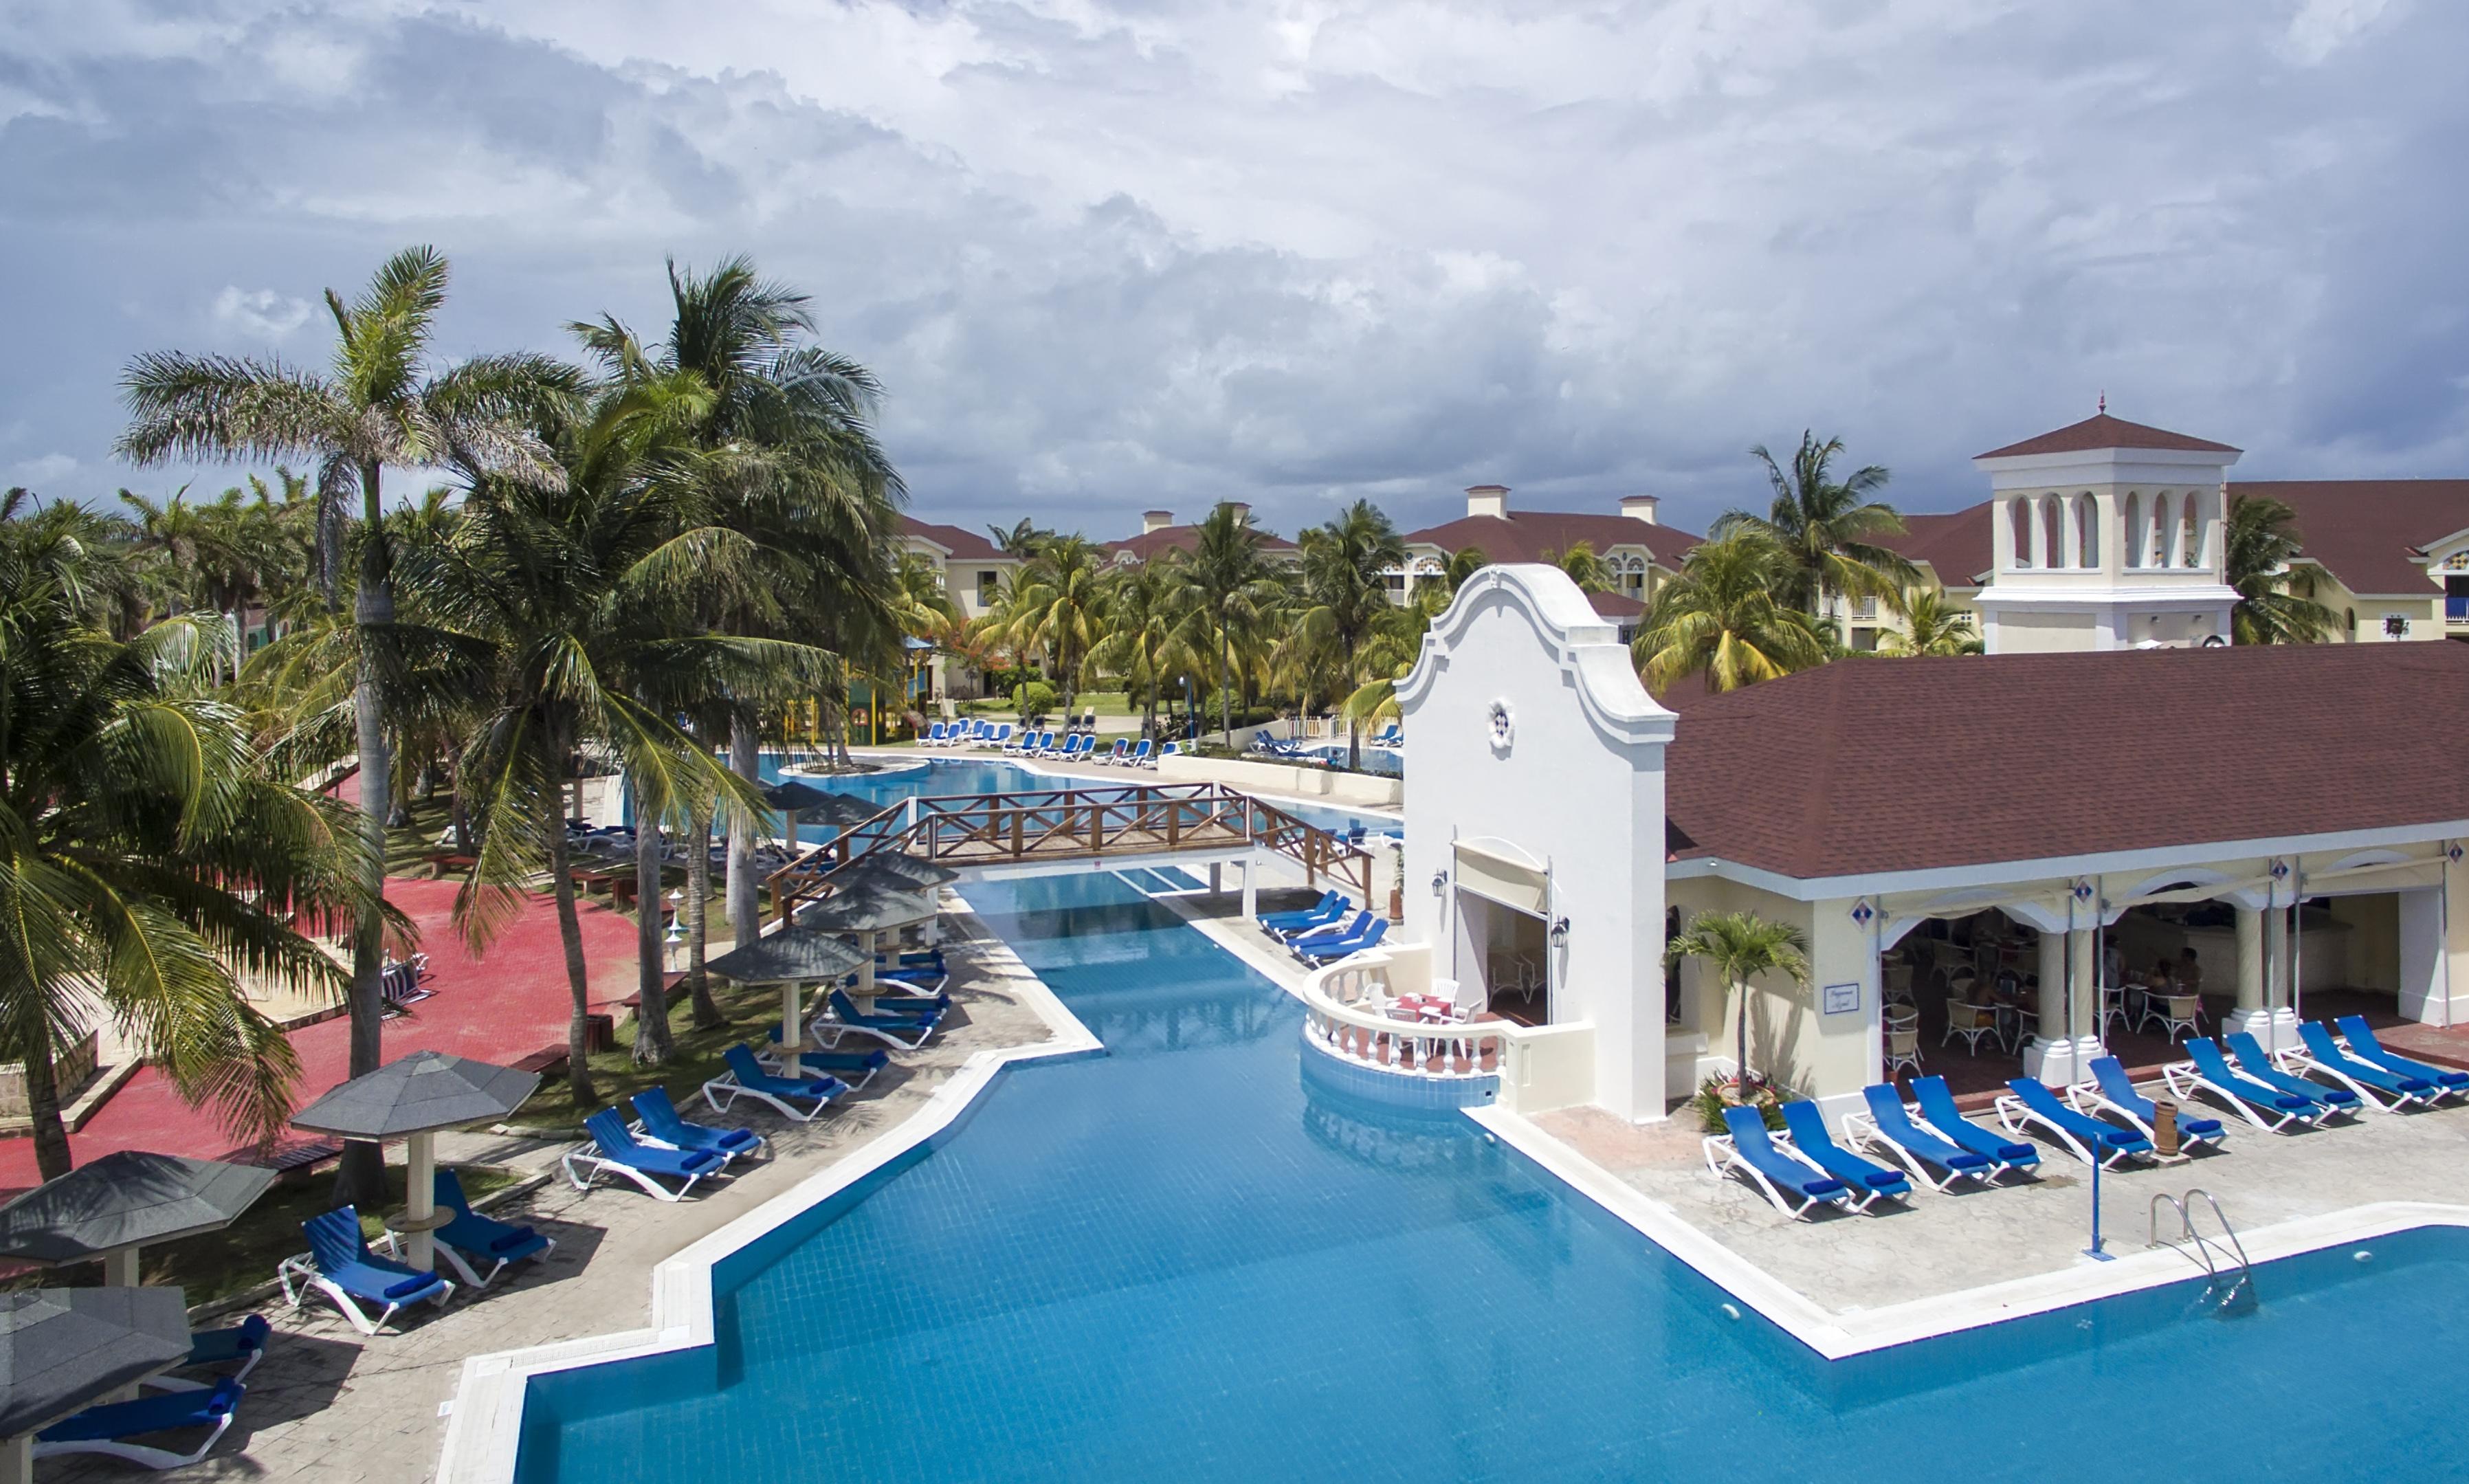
(111,1208)
(793,958)
(412,1098)
(868,914)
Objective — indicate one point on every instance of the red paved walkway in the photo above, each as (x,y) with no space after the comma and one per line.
(501,1009)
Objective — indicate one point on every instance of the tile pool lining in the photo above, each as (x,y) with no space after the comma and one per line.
(485,1421)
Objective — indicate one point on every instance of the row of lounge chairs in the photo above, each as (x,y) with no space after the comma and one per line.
(1327,931)
(340,1264)
(2106,1121)
(972,733)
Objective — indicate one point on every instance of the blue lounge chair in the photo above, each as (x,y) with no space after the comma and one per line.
(1810,1140)
(1937,1108)
(2028,1101)
(798,1097)
(244,1342)
(1331,906)
(339,1265)
(1352,924)
(904,1031)
(2114,1090)
(1141,757)
(471,1240)
(2257,1063)
(2266,1107)
(1888,1128)
(854,1068)
(910,1004)
(1113,757)
(935,735)
(614,1150)
(99,1430)
(2377,1087)
(660,1121)
(2362,1044)
(999,738)
(1321,950)
(1794,1187)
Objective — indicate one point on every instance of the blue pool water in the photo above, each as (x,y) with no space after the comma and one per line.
(1193,1258)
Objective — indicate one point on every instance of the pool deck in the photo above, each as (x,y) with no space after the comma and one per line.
(330,1405)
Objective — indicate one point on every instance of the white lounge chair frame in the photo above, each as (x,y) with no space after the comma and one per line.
(1861,1135)
(2087,1097)
(2184,1080)
(726,1085)
(137,1452)
(2015,1115)
(2296,1061)
(298,1273)
(1731,1160)
(595,1162)
(453,1257)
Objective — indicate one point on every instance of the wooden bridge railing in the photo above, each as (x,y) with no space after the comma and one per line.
(1077,824)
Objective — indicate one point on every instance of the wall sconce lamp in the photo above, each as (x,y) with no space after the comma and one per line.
(1559,932)
(1439,883)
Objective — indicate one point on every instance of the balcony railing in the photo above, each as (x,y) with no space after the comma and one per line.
(1346,1016)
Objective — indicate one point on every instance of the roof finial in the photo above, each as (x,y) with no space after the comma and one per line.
(2104,401)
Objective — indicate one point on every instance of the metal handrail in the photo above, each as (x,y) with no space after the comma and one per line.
(2205,1249)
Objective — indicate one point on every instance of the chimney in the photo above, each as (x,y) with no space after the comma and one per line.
(1487,500)
(1243,512)
(1639,507)
(1155,520)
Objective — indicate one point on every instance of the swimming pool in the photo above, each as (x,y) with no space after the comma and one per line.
(1192,1258)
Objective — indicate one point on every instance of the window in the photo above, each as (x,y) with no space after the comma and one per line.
(2190,538)
(2133,528)
(2018,520)
(1864,607)
(2161,527)
(2395,626)
(2053,535)
(1864,641)
(2086,531)
(989,582)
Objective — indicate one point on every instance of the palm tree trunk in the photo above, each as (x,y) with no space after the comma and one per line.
(44,1103)
(654,1044)
(462,812)
(707,1013)
(360,1178)
(1740,1061)
(1225,696)
(745,909)
(570,932)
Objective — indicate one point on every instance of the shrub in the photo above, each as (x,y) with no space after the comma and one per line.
(1718,1093)
(1033,698)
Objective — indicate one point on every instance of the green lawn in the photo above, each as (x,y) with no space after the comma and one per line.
(751,1013)
(245,1253)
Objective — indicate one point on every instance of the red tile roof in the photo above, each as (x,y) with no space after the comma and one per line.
(1182,538)
(966,544)
(2105,431)
(1615,606)
(1892,765)
(2365,531)
(1955,546)
(1526,535)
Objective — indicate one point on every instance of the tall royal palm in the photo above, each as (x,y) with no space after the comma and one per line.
(1346,564)
(2271,607)
(1829,531)
(1055,609)
(1232,591)
(792,463)
(148,858)
(1720,617)
(1138,614)
(379,405)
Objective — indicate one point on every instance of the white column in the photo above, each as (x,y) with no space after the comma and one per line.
(2051,1055)
(420,1199)
(793,1035)
(2279,1026)
(1251,887)
(2252,1012)
(17,1460)
(2085,1028)
(120,1269)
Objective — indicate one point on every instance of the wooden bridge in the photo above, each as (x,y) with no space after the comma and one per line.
(1061,826)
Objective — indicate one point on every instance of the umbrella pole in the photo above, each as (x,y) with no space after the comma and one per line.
(420,1201)
(866,976)
(793,1039)
(791,817)
(17,1460)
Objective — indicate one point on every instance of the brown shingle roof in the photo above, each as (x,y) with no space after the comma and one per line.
(2365,531)
(966,544)
(1526,535)
(1615,606)
(2105,431)
(1182,538)
(1893,765)
(1955,546)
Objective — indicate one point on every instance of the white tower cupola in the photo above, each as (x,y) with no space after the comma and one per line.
(2107,535)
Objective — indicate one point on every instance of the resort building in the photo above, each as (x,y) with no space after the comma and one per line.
(1159,534)
(973,571)
(2108,534)
(1638,548)
(1999,865)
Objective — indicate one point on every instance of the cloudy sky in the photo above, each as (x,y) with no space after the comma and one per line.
(1109,254)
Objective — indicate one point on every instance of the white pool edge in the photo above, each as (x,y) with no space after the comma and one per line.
(484,1423)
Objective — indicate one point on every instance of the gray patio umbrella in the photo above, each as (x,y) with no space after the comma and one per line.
(803,801)
(127,1201)
(795,958)
(62,1350)
(891,871)
(867,913)
(411,1097)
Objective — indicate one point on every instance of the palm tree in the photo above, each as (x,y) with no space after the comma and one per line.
(1346,564)
(1932,626)
(379,405)
(149,859)
(1138,614)
(1829,531)
(1054,609)
(583,592)
(1463,564)
(2274,605)
(1231,593)
(1720,617)
(1582,567)
(793,466)
(1021,539)
(1390,655)
(1739,946)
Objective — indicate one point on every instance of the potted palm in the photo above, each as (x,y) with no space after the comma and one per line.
(1739,946)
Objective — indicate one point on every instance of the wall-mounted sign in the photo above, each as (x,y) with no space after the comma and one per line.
(1839,1000)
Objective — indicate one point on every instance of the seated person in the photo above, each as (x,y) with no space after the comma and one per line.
(2157,979)
(2190,971)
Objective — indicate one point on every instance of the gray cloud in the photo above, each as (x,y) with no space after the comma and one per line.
(1112,255)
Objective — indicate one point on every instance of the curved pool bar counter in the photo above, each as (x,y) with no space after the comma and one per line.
(1194,1257)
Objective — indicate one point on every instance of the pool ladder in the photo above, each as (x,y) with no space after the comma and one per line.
(2219,1262)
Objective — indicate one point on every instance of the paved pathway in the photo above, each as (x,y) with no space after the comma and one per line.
(333,1406)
